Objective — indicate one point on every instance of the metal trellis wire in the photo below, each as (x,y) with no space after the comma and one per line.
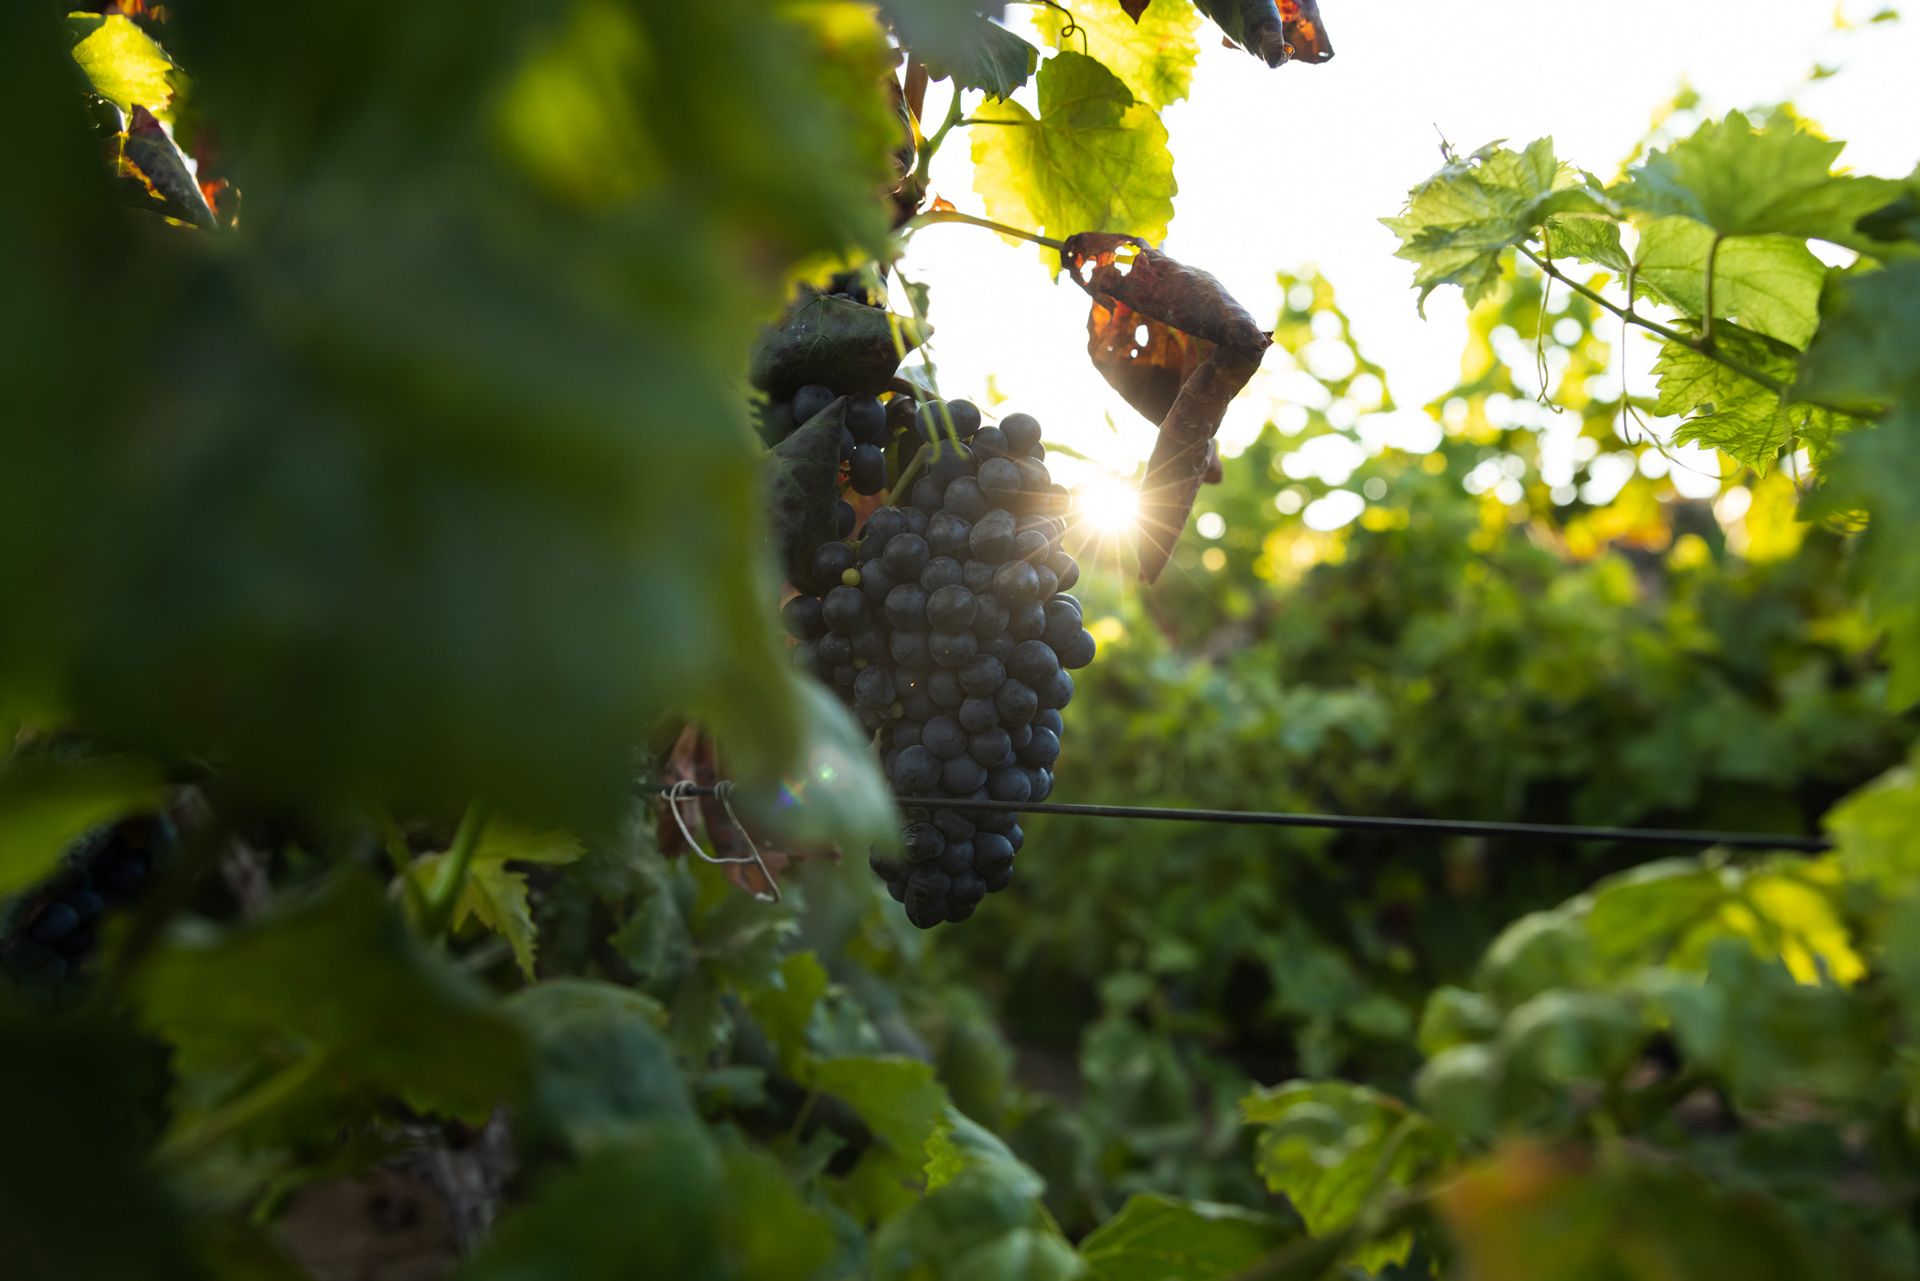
(1353,822)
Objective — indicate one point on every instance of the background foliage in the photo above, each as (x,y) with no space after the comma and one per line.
(390,458)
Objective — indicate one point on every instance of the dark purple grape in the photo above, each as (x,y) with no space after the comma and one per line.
(1039,785)
(990,442)
(941,571)
(1016,703)
(1033,662)
(905,556)
(868,642)
(844,609)
(1009,784)
(883,526)
(1030,545)
(957,859)
(1078,651)
(810,400)
(927,493)
(874,688)
(950,462)
(954,825)
(905,733)
(966,417)
(1027,621)
(991,747)
(961,775)
(991,853)
(965,499)
(989,617)
(922,842)
(833,650)
(992,537)
(1058,692)
(909,649)
(999,480)
(1041,750)
(1065,568)
(844,519)
(802,617)
(830,562)
(943,687)
(951,649)
(1016,583)
(916,771)
(947,534)
(977,714)
(977,577)
(868,420)
(867,469)
(952,609)
(906,607)
(999,646)
(876,580)
(886,865)
(982,675)
(1022,432)
(918,707)
(944,738)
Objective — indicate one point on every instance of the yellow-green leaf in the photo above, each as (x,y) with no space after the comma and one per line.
(125,65)
(1154,56)
(1094,159)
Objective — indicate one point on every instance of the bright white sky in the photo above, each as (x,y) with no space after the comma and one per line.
(1283,169)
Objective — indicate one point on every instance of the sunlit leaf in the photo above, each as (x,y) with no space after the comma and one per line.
(1152,52)
(1156,1237)
(1094,159)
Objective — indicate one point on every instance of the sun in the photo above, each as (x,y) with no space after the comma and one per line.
(1107,505)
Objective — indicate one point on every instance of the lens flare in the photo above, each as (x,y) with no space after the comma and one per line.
(1107,505)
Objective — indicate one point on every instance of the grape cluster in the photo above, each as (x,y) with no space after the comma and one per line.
(53,933)
(947,626)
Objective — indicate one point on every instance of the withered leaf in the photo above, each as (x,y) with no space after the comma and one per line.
(835,342)
(1134,8)
(1177,346)
(1289,31)
(149,157)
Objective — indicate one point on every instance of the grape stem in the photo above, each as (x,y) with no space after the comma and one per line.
(453,871)
(933,216)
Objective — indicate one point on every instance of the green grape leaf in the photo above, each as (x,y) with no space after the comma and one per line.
(980,1226)
(804,489)
(47,805)
(1588,237)
(784,1008)
(602,1069)
(1155,1237)
(1746,180)
(494,894)
(961,1144)
(1876,831)
(1769,284)
(986,56)
(668,1196)
(1462,1088)
(898,1099)
(1460,221)
(836,343)
(1760,1033)
(1455,1016)
(1094,159)
(1564,1038)
(124,64)
(1730,412)
(390,1018)
(1333,1149)
(1863,354)
(1877,470)
(1153,53)
(1538,952)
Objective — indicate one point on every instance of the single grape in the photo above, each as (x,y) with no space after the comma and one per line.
(999,480)
(941,571)
(1016,583)
(992,537)
(918,707)
(947,534)
(874,688)
(834,649)
(1030,545)
(905,556)
(844,518)
(1065,568)
(1022,432)
(951,649)
(886,865)
(989,617)
(876,580)
(810,400)
(868,420)
(1078,651)
(977,714)
(965,499)
(844,609)
(917,771)
(923,842)
(909,649)
(957,859)
(991,853)
(1058,691)
(952,609)
(954,825)
(906,734)
(868,641)
(950,462)
(847,444)
(1039,785)
(1015,704)
(867,470)
(982,675)
(1041,750)
(1033,662)
(1009,784)
(977,577)
(943,687)
(1027,622)
(990,442)
(991,747)
(883,526)
(802,617)
(966,417)
(943,737)
(961,775)
(927,493)
(906,607)
(830,561)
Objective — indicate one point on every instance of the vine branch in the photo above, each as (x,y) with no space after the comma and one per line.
(453,872)
(933,216)
(1672,335)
